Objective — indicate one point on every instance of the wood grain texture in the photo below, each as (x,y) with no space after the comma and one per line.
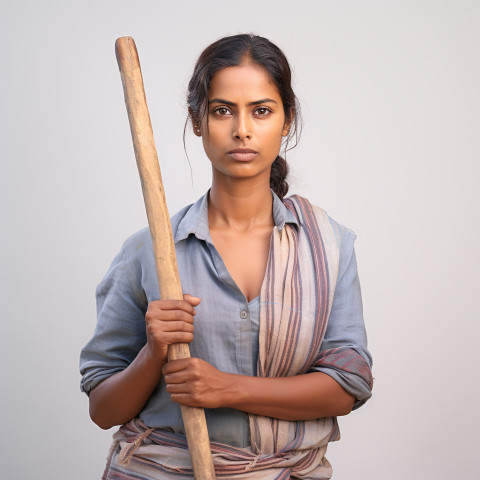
(161,233)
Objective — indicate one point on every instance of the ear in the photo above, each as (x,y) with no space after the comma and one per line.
(287,124)
(195,123)
(196,130)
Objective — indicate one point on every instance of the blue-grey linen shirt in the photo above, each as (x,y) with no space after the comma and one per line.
(226,324)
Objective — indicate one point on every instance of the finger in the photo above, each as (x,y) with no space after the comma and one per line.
(172,305)
(175,316)
(169,338)
(176,382)
(177,326)
(183,399)
(168,316)
(193,301)
(175,366)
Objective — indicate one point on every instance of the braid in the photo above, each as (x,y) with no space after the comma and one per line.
(278,177)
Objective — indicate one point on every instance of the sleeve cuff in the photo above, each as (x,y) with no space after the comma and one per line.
(351,383)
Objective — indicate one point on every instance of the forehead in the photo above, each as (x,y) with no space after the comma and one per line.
(247,81)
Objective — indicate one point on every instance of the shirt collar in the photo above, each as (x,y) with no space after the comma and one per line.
(195,220)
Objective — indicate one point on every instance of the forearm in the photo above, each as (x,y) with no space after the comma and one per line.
(122,396)
(194,382)
(302,397)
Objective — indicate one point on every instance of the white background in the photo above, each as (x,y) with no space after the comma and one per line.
(390,148)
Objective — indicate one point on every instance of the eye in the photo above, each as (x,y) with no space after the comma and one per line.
(262,111)
(222,111)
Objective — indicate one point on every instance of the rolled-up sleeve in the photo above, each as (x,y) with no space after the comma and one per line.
(120,331)
(344,354)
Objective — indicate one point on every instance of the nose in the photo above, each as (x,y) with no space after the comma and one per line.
(242,127)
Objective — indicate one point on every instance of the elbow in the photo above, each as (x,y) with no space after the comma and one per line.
(346,406)
(101,424)
(97,411)
(344,412)
(99,420)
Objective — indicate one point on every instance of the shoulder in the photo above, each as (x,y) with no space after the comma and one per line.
(342,234)
(345,240)
(134,265)
(136,250)
(136,241)
(138,246)
(333,233)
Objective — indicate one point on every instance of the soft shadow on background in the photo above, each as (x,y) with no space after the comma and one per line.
(390,148)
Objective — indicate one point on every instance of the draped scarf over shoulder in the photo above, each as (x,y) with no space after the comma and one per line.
(296,300)
(295,303)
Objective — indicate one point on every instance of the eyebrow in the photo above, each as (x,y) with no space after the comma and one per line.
(256,102)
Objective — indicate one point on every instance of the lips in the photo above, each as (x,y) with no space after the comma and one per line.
(242,154)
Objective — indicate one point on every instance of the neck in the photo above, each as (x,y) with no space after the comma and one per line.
(240,206)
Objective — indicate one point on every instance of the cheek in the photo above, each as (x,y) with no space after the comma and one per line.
(273,136)
(214,141)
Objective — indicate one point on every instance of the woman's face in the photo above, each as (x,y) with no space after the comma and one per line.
(246,122)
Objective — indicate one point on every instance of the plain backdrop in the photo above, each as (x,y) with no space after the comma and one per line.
(390,148)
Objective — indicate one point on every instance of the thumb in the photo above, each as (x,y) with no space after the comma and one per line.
(193,301)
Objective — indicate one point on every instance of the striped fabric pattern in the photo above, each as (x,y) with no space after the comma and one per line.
(296,300)
(347,360)
(141,453)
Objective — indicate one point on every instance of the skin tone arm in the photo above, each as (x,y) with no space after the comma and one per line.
(121,397)
(196,383)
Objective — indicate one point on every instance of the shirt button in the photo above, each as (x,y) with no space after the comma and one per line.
(243,314)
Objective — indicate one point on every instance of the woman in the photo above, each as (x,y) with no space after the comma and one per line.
(273,313)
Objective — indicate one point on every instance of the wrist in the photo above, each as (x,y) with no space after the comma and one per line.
(153,358)
(236,391)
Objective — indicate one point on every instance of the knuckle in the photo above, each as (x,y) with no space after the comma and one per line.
(154,305)
(185,327)
(196,398)
(176,304)
(184,316)
(195,362)
(152,331)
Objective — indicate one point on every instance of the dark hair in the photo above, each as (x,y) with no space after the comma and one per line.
(232,51)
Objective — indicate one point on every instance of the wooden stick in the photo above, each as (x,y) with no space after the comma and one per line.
(161,233)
